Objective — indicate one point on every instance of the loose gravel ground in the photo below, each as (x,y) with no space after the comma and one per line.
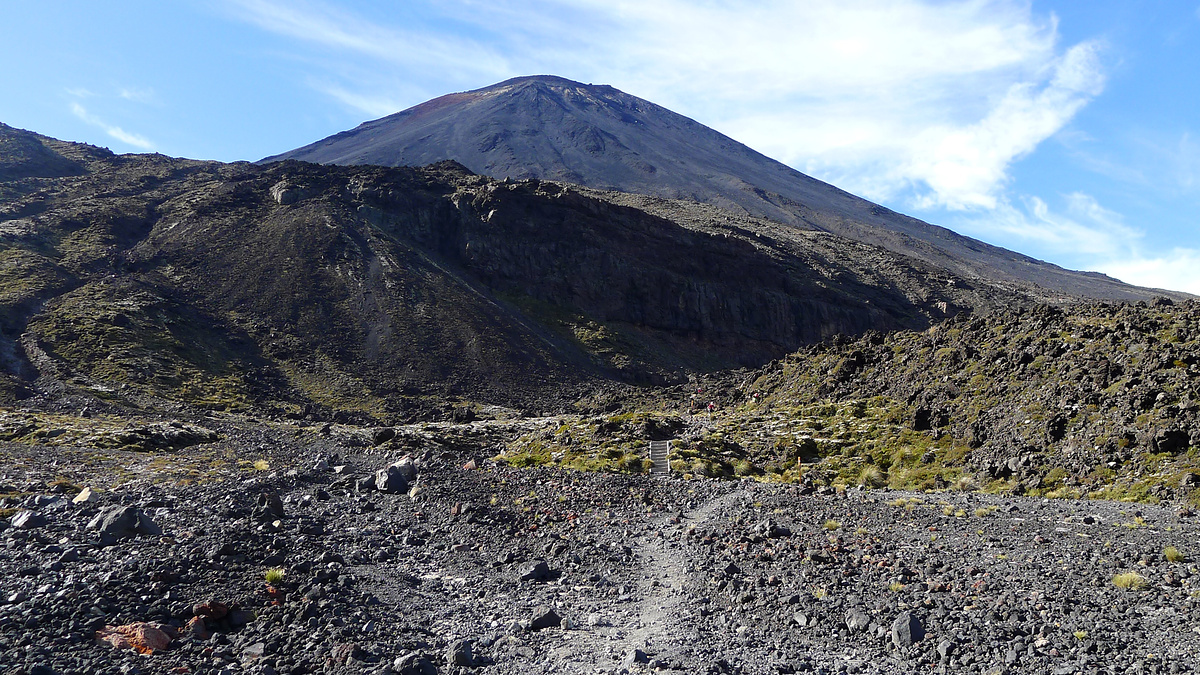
(482,568)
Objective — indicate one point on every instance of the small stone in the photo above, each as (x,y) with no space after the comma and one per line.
(945,648)
(407,468)
(857,620)
(254,652)
(145,638)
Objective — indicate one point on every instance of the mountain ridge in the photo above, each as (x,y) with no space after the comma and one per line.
(322,290)
(551,128)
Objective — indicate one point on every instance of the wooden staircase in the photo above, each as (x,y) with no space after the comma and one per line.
(659,451)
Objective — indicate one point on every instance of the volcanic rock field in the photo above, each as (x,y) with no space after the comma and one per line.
(285,549)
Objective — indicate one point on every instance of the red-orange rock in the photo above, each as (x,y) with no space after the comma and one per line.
(146,638)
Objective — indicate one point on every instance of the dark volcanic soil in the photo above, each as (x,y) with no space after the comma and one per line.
(640,574)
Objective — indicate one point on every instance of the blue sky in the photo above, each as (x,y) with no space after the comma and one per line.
(1067,131)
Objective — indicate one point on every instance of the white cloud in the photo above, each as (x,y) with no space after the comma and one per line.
(323,24)
(1086,235)
(893,99)
(1086,230)
(116,132)
(373,105)
(137,94)
(1178,270)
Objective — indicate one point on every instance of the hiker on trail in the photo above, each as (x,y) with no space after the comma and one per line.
(711,406)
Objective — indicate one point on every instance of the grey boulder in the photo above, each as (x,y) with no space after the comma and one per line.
(123,522)
(907,630)
(27,520)
(391,479)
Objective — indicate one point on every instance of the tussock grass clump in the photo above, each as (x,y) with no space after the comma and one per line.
(872,477)
(1173,554)
(965,483)
(275,575)
(1129,581)
(832,525)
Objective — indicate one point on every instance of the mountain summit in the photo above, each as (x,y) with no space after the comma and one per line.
(552,128)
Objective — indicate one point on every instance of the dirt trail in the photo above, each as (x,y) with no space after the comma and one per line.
(653,617)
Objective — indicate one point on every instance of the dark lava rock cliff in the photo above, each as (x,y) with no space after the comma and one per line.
(365,292)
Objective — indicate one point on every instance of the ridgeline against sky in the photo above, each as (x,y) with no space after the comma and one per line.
(1063,130)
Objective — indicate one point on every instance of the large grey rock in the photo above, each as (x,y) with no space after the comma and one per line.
(391,479)
(458,653)
(544,617)
(27,520)
(857,620)
(413,664)
(535,571)
(907,630)
(122,522)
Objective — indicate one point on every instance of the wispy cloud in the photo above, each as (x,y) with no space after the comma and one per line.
(137,94)
(1090,236)
(116,132)
(373,105)
(929,102)
(323,24)
(1085,228)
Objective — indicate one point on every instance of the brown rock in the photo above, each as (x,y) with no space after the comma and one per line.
(145,638)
